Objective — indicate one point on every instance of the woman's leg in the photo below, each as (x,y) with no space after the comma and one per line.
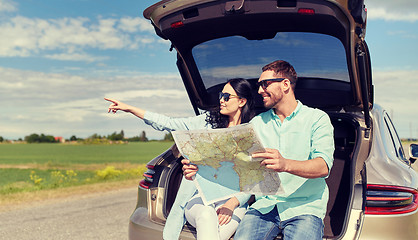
(203,218)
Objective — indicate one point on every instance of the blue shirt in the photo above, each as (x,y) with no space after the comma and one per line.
(306,134)
(161,122)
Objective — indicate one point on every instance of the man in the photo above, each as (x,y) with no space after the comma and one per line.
(300,146)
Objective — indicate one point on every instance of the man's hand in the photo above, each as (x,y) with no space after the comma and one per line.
(189,170)
(273,159)
(312,168)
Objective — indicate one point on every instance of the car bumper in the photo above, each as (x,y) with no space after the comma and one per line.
(140,227)
(403,226)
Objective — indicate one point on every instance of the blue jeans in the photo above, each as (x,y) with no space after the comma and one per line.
(256,225)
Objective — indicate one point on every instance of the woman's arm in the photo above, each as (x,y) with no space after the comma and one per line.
(189,170)
(158,121)
(118,105)
(226,211)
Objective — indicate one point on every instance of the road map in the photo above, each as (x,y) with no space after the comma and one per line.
(226,168)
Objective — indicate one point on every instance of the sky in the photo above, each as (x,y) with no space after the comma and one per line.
(60,58)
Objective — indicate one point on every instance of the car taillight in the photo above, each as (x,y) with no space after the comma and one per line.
(386,200)
(306,11)
(177,24)
(148,178)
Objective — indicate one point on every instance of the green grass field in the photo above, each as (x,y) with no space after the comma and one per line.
(65,154)
(33,167)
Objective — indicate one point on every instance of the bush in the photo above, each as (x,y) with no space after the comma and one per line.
(35,178)
(111,173)
(116,136)
(108,173)
(35,138)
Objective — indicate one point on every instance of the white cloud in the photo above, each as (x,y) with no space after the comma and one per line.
(130,24)
(77,57)
(396,91)
(390,10)
(21,36)
(147,93)
(247,71)
(7,6)
(64,104)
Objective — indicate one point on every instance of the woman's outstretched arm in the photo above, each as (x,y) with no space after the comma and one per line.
(118,105)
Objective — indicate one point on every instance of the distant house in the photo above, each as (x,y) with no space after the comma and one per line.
(59,139)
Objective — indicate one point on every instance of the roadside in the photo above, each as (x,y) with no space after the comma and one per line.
(97,215)
(23,182)
(24,199)
(45,166)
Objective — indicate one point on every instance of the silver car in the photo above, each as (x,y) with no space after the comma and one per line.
(373,189)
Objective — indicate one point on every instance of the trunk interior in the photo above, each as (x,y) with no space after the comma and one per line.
(339,181)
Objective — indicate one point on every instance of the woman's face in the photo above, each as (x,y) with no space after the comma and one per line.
(233,105)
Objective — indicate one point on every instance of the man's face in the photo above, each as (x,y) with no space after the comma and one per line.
(272,94)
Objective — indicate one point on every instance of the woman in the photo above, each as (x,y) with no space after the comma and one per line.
(219,220)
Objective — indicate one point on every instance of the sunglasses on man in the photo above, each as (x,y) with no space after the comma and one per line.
(265,83)
(226,96)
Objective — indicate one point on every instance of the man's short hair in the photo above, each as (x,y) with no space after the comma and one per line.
(284,69)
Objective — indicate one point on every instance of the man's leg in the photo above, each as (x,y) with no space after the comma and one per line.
(303,227)
(256,226)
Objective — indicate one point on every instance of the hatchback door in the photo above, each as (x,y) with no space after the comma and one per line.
(219,39)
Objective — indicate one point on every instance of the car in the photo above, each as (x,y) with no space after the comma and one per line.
(373,188)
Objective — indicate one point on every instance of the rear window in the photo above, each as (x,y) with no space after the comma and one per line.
(312,55)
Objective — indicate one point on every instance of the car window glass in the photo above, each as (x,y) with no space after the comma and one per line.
(392,137)
(312,55)
(388,139)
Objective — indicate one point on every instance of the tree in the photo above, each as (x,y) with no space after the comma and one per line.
(73,138)
(35,138)
(95,136)
(116,136)
(168,137)
(1,139)
(47,138)
(143,137)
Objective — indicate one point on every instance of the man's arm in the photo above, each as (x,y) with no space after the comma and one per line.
(312,168)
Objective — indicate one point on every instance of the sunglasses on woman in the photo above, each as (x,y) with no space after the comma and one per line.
(226,96)
(265,83)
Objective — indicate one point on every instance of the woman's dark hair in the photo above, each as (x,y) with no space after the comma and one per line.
(244,90)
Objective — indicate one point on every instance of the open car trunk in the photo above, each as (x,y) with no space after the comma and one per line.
(340,181)
(218,40)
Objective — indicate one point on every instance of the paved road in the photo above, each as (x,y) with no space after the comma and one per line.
(93,216)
